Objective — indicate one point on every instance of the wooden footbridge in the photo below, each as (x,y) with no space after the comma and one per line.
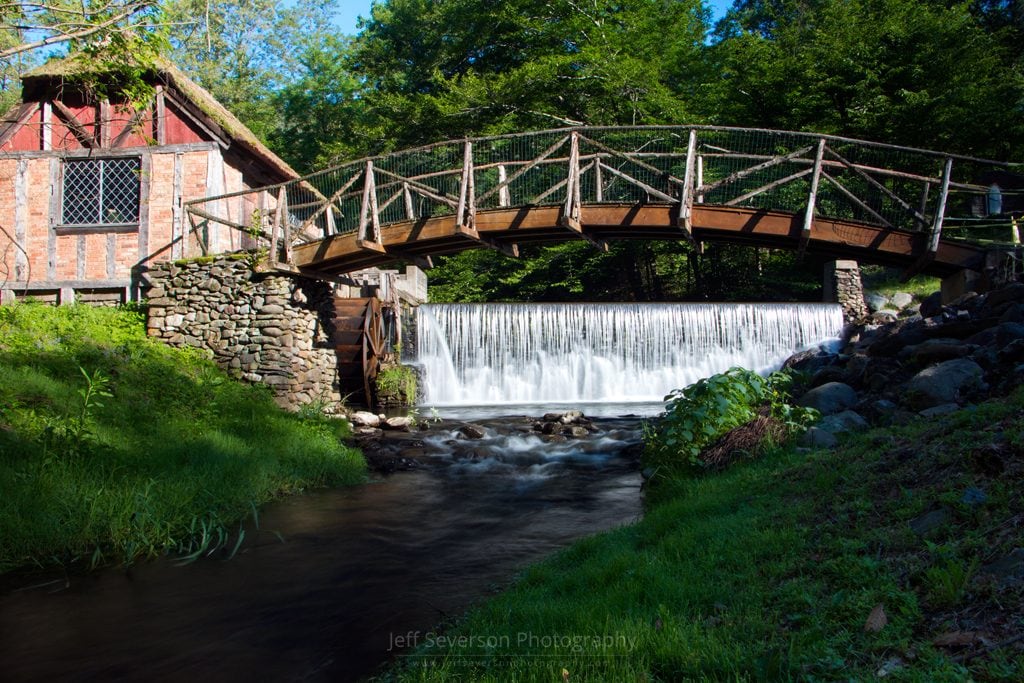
(820,194)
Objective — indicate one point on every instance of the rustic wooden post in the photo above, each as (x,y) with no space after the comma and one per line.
(410,211)
(465,214)
(329,227)
(286,234)
(571,213)
(275,228)
(812,197)
(47,132)
(686,200)
(940,210)
(106,120)
(931,247)
(504,196)
(160,122)
(924,198)
(700,177)
(598,180)
(369,220)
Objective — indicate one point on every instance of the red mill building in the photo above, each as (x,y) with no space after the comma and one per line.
(91,191)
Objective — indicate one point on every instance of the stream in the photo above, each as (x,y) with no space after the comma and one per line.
(329,581)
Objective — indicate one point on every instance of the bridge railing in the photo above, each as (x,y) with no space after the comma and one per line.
(818,175)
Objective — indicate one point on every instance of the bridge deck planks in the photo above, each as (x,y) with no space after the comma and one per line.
(541,225)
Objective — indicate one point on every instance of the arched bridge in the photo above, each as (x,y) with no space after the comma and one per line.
(813,193)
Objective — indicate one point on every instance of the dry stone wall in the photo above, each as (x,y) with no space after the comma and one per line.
(265,328)
(843,286)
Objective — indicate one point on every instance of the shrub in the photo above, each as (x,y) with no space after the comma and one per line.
(697,416)
(396,385)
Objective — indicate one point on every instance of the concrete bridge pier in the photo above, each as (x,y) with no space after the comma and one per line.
(1001,266)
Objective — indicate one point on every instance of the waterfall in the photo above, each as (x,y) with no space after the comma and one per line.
(485,354)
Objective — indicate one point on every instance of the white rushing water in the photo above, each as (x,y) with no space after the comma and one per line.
(487,354)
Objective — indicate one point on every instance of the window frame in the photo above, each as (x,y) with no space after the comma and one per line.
(80,228)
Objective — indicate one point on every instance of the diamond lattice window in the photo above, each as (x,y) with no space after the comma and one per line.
(101,192)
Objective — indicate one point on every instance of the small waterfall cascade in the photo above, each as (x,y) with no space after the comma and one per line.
(487,354)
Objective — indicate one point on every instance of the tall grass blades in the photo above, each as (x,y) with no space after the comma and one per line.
(113,445)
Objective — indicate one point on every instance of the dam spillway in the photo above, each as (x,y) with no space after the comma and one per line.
(492,354)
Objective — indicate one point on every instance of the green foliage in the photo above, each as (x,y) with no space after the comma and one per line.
(114,446)
(696,416)
(438,70)
(891,70)
(246,52)
(887,281)
(323,115)
(396,384)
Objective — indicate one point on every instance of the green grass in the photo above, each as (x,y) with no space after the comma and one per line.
(769,571)
(886,281)
(168,462)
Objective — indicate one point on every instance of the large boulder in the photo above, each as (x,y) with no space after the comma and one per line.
(931,305)
(830,398)
(401,424)
(893,337)
(936,351)
(363,418)
(811,361)
(999,335)
(946,382)
(846,421)
(875,301)
(1013,314)
(819,438)
(901,300)
(998,301)
(472,431)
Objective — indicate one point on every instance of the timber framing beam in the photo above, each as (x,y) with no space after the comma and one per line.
(86,138)
(25,112)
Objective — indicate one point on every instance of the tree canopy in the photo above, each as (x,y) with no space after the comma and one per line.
(941,74)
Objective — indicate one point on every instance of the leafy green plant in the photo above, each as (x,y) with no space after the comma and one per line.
(699,414)
(396,384)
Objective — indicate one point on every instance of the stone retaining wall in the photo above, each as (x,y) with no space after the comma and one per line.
(265,328)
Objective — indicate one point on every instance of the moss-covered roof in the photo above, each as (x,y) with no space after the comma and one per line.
(79,65)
